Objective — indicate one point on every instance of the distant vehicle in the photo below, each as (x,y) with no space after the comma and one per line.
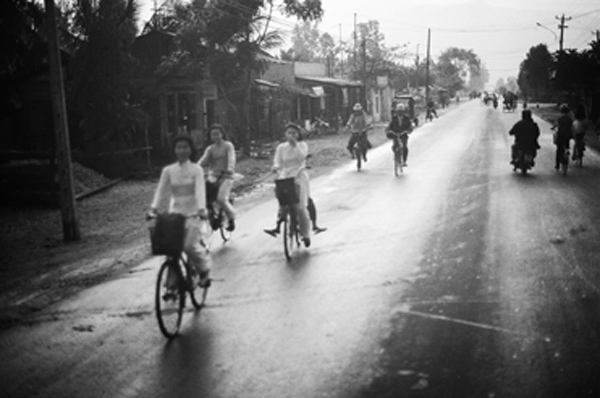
(409,104)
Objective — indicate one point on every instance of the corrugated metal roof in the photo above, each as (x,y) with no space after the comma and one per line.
(331,80)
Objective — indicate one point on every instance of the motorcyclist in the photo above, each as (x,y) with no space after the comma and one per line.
(400,123)
(358,123)
(526,133)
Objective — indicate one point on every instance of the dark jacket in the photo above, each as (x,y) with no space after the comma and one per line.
(526,134)
(399,125)
(565,130)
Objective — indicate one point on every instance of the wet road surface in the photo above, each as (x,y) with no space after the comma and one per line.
(460,278)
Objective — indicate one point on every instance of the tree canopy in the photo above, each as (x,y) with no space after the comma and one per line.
(535,72)
(455,67)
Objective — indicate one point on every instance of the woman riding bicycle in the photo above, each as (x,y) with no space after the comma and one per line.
(219,158)
(182,183)
(400,123)
(290,161)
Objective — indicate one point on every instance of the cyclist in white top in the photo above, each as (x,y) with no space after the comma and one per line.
(290,161)
(182,183)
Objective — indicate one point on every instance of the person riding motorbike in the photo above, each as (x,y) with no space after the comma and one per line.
(400,123)
(564,134)
(526,133)
(358,126)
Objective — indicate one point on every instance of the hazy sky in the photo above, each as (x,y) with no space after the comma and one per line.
(500,32)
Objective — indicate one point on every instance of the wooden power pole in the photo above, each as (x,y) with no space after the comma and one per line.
(427,65)
(61,128)
(562,28)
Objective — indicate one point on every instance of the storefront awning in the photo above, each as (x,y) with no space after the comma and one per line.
(330,81)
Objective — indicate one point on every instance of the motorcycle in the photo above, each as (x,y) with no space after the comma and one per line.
(523,161)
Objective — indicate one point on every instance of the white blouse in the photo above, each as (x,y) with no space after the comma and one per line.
(290,160)
(184,185)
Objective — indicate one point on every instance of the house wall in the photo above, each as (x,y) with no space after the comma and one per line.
(310,69)
(278,72)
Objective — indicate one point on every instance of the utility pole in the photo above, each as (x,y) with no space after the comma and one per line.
(562,28)
(364,65)
(61,127)
(416,83)
(354,43)
(427,65)
(341,55)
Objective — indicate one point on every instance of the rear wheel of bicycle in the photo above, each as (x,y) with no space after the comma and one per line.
(578,156)
(565,163)
(358,154)
(398,162)
(169,299)
(288,235)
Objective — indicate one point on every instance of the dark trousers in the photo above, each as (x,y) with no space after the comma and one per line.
(364,143)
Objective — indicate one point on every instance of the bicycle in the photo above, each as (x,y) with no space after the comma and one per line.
(216,215)
(285,190)
(564,161)
(398,153)
(564,158)
(176,277)
(360,147)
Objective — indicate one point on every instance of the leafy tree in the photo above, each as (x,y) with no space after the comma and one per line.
(501,86)
(305,42)
(228,37)
(512,85)
(455,66)
(20,26)
(478,81)
(102,68)
(535,73)
(574,73)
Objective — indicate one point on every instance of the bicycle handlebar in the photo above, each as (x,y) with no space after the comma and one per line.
(398,134)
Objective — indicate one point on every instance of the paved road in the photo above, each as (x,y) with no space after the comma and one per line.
(460,278)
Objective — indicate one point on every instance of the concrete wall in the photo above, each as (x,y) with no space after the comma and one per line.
(310,69)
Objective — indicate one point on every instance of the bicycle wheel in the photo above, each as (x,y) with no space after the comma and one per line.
(358,154)
(197,294)
(565,163)
(224,223)
(288,235)
(398,161)
(170,298)
(578,156)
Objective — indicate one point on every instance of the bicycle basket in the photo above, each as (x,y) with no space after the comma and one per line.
(168,234)
(285,190)
(212,191)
